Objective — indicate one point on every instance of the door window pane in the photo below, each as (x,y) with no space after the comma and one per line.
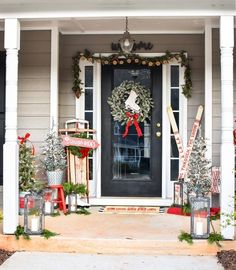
(89,76)
(174,76)
(88,99)
(131,155)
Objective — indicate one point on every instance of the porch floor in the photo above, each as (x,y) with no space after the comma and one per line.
(115,234)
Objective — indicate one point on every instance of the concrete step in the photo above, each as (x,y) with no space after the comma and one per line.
(155,234)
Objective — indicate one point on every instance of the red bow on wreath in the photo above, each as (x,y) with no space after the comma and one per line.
(132,120)
(24,139)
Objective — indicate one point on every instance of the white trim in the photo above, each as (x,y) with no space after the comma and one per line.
(227,119)
(11,147)
(143,32)
(165,132)
(116,13)
(135,201)
(97,125)
(54,80)
(208,89)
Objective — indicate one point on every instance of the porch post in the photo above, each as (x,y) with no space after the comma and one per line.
(10,148)
(227,120)
(54,79)
(208,88)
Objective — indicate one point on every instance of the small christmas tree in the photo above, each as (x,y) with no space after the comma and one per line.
(199,177)
(26,167)
(54,153)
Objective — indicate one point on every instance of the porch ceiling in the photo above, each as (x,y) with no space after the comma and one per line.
(106,8)
(116,25)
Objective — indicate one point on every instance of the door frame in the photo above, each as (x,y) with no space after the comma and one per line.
(167,185)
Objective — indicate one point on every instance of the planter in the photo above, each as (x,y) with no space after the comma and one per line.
(22,201)
(55,177)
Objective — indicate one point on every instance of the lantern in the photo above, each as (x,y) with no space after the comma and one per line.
(200,217)
(180,193)
(72,203)
(33,214)
(48,196)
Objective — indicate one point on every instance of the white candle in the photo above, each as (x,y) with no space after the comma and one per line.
(47,207)
(72,208)
(34,224)
(72,204)
(199,227)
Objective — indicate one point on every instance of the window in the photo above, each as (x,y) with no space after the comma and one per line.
(174,102)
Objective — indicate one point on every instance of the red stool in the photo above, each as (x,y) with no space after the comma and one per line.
(60,197)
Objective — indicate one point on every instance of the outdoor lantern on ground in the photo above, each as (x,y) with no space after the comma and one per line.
(179,193)
(200,217)
(48,201)
(33,214)
(72,203)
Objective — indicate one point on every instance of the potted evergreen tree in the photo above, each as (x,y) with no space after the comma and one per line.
(27,170)
(54,159)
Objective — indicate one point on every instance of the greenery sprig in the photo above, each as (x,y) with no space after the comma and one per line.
(20,232)
(184,236)
(121,59)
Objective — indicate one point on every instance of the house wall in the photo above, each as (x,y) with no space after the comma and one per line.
(71,44)
(34,84)
(216,117)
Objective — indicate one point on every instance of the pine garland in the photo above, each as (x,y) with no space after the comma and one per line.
(119,96)
(121,59)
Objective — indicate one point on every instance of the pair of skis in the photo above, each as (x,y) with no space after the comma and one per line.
(185,156)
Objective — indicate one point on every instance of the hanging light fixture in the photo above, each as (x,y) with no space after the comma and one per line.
(126,42)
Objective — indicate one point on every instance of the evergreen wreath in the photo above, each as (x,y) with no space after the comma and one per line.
(119,96)
(78,151)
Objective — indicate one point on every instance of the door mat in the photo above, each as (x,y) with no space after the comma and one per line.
(131,210)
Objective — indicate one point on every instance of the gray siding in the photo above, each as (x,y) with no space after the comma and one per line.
(34,84)
(71,44)
(216,117)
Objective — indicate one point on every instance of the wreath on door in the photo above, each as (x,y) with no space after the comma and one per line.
(130,104)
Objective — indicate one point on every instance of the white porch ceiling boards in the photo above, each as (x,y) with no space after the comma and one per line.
(116,25)
(104,8)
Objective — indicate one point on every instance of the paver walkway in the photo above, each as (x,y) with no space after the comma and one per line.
(71,261)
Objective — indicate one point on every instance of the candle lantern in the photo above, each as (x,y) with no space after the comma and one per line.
(200,217)
(33,215)
(180,193)
(48,196)
(72,203)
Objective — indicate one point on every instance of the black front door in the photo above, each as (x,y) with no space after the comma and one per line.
(2,109)
(131,166)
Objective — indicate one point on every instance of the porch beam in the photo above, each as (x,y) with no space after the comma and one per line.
(54,91)
(208,88)
(11,148)
(227,120)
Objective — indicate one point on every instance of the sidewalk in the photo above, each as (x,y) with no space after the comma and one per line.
(69,261)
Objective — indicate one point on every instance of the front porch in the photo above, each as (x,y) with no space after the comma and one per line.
(45,57)
(116,234)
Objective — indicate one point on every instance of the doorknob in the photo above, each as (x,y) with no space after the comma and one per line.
(158,124)
(158,133)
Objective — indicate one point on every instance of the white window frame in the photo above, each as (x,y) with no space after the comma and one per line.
(167,185)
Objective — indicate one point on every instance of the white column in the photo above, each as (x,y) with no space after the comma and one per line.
(54,79)
(208,88)
(227,120)
(11,149)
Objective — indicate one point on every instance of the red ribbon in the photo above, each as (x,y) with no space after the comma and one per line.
(84,152)
(26,138)
(132,120)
